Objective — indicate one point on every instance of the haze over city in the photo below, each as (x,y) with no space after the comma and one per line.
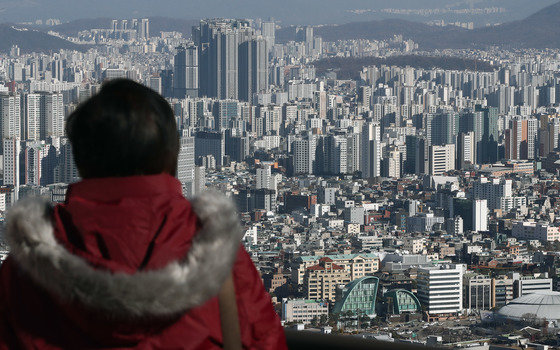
(287,12)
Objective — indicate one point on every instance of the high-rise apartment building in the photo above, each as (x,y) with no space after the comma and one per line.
(185,72)
(480,215)
(498,192)
(466,150)
(38,166)
(186,159)
(268,29)
(371,150)
(144,29)
(10,116)
(11,163)
(32,117)
(490,135)
(253,68)
(522,138)
(232,59)
(264,178)
(445,127)
(303,156)
(52,115)
(66,170)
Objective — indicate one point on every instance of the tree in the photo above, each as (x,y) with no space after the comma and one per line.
(315,321)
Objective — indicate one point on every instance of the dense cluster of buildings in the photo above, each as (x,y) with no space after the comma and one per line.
(403,194)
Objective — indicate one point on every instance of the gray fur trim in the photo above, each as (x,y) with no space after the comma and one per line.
(158,293)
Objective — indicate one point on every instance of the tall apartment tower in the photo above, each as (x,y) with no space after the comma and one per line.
(185,162)
(268,30)
(32,117)
(480,215)
(264,178)
(371,150)
(10,115)
(11,163)
(466,149)
(39,163)
(144,29)
(304,155)
(232,59)
(253,68)
(522,138)
(185,72)
(66,170)
(51,121)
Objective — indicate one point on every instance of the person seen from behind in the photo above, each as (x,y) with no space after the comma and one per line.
(126,262)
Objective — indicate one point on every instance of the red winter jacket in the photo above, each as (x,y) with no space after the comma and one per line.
(128,263)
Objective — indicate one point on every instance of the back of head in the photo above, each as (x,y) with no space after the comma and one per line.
(126,129)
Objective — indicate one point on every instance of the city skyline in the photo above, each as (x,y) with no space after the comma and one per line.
(385,186)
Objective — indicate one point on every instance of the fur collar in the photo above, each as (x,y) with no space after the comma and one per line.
(169,291)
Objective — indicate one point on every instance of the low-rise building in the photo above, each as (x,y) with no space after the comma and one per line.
(543,232)
(303,310)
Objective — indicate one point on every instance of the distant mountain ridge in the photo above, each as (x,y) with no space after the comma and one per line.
(157,25)
(540,30)
(33,40)
(36,39)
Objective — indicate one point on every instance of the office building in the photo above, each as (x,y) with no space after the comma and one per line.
(524,285)
(440,289)
(303,310)
(478,292)
(442,159)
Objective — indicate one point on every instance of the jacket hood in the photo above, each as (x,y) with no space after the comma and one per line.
(159,293)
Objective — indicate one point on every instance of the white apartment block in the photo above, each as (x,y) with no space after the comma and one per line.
(440,288)
(480,215)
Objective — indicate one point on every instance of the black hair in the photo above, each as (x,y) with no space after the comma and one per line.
(126,129)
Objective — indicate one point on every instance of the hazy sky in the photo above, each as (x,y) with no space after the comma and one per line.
(286,11)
